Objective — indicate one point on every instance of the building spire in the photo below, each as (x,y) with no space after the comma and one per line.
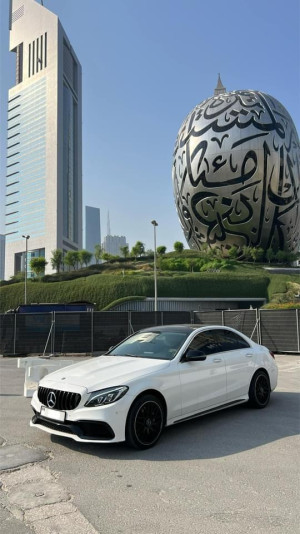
(220,89)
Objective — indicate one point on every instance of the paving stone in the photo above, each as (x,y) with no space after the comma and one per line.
(65,524)
(26,474)
(12,456)
(11,525)
(36,500)
(50,510)
(15,511)
(32,494)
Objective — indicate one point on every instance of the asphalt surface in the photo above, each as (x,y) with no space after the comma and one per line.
(230,472)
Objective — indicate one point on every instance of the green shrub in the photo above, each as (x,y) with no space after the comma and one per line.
(282,306)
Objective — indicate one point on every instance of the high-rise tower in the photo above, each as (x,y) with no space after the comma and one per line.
(44,176)
(92,228)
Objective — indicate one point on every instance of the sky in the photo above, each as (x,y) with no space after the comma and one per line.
(146,65)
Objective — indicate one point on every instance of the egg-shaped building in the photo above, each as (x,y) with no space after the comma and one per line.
(236,173)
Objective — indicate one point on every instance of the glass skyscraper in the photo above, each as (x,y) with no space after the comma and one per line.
(92,228)
(44,176)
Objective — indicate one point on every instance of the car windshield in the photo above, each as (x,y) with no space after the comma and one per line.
(162,345)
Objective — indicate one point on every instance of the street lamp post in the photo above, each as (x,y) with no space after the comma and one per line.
(26,237)
(155,272)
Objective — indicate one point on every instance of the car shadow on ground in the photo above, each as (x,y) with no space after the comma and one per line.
(217,435)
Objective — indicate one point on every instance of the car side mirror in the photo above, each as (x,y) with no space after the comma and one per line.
(195,355)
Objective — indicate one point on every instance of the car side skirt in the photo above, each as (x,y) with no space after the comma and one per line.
(210,410)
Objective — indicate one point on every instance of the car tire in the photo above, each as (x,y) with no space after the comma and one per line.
(259,391)
(145,422)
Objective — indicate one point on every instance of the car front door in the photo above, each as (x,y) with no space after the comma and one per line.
(203,383)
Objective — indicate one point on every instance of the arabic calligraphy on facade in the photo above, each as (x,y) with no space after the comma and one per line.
(236,173)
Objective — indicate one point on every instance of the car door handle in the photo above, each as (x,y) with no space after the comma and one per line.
(248,355)
(217,360)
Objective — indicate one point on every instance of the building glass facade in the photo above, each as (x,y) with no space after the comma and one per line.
(44,174)
(26,165)
(20,261)
(69,166)
(112,244)
(92,228)
(2,256)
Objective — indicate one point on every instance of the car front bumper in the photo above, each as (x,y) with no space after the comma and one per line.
(102,424)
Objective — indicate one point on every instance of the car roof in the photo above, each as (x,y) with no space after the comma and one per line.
(184,328)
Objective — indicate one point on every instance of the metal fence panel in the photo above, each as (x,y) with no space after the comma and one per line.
(83,332)
(109,329)
(32,330)
(243,320)
(73,332)
(140,320)
(298,329)
(7,329)
(208,318)
(279,330)
(180,317)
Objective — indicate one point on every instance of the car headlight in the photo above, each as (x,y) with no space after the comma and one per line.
(106,396)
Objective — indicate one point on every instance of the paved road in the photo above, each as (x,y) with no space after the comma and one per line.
(231,472)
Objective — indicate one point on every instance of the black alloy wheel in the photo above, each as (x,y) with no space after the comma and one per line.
(145,422)
(259,392)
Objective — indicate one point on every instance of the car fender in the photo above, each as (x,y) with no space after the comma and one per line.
(169,391)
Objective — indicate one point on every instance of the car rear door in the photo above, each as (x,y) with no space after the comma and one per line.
(239,361)
(203,383)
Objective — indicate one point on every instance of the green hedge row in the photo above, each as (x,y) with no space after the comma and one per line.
(103,290)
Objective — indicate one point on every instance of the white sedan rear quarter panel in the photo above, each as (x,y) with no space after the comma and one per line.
(265,360)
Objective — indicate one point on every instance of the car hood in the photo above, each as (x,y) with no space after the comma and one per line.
(102,372)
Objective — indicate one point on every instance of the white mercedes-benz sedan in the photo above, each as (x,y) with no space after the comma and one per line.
(157,377)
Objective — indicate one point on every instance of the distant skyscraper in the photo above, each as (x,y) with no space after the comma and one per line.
(92,228)
(2,256)
(113,243)
(44,177)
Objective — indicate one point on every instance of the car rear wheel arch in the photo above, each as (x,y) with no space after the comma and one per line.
(261,370)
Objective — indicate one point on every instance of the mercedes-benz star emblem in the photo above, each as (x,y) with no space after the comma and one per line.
(51,399)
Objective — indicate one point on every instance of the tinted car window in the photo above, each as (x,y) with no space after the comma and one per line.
(212,341)
(232,341)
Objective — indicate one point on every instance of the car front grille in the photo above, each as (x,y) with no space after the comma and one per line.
(64,400)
